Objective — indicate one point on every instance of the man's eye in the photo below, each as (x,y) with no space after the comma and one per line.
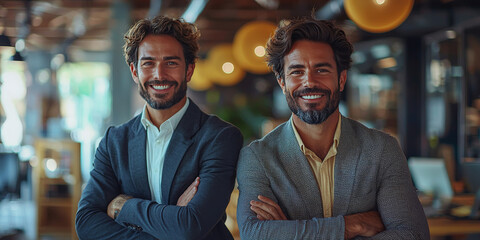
(147,63)
(323,70)
(171,63)
(296,72)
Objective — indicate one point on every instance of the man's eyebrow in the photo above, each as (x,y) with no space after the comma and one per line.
(295,66)
(147,58)
(326,64)
(164,58)
(171,58)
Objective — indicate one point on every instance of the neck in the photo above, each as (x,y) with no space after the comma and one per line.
(159,116)
(317,137)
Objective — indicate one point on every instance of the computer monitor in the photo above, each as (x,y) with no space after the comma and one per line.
(471,176)
(9,174)
(430,177)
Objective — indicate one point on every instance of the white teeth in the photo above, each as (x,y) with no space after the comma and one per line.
(311,96)
(160,87)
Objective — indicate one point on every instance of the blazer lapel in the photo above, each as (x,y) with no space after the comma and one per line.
(345,168)
(179,144)
(137,160)
(299,171)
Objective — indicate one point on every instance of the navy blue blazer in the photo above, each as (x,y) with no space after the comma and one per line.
(202,145)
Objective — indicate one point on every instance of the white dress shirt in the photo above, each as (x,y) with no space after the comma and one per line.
(157,144)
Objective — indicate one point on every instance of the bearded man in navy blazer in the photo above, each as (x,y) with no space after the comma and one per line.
(168,173)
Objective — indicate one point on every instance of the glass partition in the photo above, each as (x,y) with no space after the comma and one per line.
(374,83)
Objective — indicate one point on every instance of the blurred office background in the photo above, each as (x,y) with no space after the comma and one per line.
(64,81)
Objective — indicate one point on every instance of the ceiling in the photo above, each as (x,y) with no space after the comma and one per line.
(86,24)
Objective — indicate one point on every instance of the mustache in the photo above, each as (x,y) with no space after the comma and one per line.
(158,82)
(298,93)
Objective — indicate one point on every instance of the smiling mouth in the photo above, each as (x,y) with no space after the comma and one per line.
(160,87)
(312,96)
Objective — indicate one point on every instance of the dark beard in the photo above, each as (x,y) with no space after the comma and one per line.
(178,95)
(314,116)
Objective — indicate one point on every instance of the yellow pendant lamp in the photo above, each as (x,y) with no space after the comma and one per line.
(249,46)
(223,69)
(200,80)
(378,16)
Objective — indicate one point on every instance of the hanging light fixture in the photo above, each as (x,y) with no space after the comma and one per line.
(249,46)
(17,57)
(19,47)
(224,70)
(5,40)
(378,16)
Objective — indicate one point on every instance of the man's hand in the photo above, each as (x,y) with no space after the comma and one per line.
(187,196)
(116,205)
(267,209)
(365,224)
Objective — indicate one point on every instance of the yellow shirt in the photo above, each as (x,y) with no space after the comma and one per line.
(323,169)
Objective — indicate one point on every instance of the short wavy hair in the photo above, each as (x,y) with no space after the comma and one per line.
(307,28)
(186,33)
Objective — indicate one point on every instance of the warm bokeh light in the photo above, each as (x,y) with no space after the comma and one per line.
(387,62)
(228,67)
(200,79)
(378,16)
(248,46)
(259,51)
(223,69)
(51,164)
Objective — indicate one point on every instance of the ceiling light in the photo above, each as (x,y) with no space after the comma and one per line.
(17,57)
(5,41)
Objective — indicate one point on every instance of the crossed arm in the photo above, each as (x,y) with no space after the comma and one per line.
(141,218)
(115,206)
(397,215)
(365,224)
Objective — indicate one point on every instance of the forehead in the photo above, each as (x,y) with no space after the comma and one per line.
(309,52)
(160,46)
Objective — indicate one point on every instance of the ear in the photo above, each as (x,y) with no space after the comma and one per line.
(281,83)
(189,74)
(134,73)
(342,80)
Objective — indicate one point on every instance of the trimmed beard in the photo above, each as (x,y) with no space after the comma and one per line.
(314,116)
(178,95)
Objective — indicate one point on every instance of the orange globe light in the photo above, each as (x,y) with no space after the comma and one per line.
(378,16)
(223,69)
(249,46)
(200,80)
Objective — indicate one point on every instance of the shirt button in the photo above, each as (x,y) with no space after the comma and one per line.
(158,141)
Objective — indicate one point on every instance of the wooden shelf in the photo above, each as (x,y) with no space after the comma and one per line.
(57,199)
(55,202)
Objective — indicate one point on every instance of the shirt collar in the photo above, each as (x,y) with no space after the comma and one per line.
(171,123)
(336,136)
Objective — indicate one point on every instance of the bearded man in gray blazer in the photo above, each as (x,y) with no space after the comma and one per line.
(321,175)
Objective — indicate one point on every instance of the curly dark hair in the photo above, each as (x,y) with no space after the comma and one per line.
(307,28)
(186,33)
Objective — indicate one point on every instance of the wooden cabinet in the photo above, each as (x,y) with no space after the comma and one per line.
(57,185)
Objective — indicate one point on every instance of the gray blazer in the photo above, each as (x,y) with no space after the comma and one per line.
(371,173)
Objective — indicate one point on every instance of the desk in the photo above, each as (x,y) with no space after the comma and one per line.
(446,226)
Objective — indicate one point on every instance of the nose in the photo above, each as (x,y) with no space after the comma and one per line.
(308,79)
(157,72)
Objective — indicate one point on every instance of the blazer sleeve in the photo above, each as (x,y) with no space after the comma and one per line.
(397,201)
(252,181)
(194,221)
(92,221)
